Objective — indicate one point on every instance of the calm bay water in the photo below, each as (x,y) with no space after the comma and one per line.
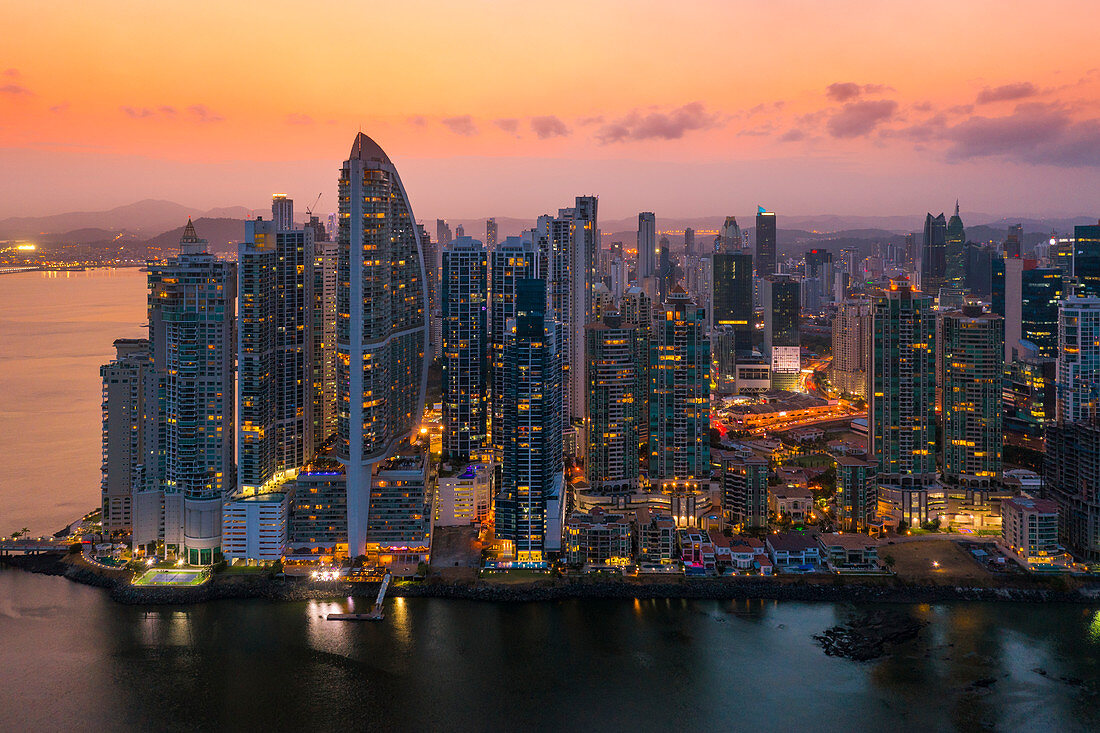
(56,329)
(69,654)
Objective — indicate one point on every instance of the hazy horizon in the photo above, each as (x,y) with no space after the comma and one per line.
(855,107)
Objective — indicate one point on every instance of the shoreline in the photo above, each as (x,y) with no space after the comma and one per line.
(828,589)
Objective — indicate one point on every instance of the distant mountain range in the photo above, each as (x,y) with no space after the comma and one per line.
(159,224)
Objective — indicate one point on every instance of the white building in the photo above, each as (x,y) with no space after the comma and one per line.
(1029,530)
(254,528)
(1078,382)
(463,494)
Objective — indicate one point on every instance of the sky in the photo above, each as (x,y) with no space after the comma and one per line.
(690,108)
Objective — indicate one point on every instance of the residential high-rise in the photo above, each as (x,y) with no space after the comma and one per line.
(851,347)
(465,350)
(745,491)
(399,528)
(530,503)
(611,427)
(933,267)
(1086,260)
(782,308)
(647,246)
(514,259)
(903,388)
(856,493)
(1071,477)
(126,380)
(636,309)
(973,368)
(275,349)
(679,400)
(282,211)
(491,233)
(381,327)
(324,339)
(689,240)
(1078,384)
(765,242)
(955,254)
(192,335)
(731,298)
(584,274)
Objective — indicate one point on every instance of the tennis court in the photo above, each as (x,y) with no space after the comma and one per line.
(172,576)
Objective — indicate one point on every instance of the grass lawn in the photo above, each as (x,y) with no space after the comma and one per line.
(813,460)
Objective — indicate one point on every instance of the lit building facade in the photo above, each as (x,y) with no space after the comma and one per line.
(611,359)
(126,381)
(381,325)
(530,504)
(851,347)
(782,310)
(765,243)
(1078,384)
(745,492)
(972,346)
(192,335)
(514,259)
(465,350)
(679,400)
(856,494)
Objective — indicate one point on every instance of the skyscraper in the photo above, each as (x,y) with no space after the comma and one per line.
(1086,260)
(324,339)
(765,242)
(955,255)
(465,350)
(647,246)
(611,360)
(782,306)
(973,368)
(491,233)
(1014,241)
(730,238)
(1041,289)
(125,389)
(636,309)
(1078,385)
(732,295)
(903,388)
(275,348)
(381,328)
(515,259)
(851,362)
(192,335)
(529,506)
(689,240)
(679,400)
(933,268)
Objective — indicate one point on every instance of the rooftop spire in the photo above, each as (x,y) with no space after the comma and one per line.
(190,242)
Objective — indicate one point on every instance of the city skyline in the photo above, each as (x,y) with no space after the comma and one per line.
(649,131)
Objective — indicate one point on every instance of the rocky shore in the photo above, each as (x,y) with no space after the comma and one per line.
(833,589)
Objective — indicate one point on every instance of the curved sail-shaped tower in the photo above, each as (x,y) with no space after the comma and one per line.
(381,323)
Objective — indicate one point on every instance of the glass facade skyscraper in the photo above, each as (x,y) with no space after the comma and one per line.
(381,324)
(465,350)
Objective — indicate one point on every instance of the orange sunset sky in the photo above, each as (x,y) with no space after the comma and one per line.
(511,108)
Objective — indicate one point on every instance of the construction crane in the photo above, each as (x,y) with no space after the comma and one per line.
(309,209)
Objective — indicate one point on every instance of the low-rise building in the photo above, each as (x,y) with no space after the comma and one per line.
(696,549)
(1029,531)
(598,538)
(656,537)
(794,502)
(856,494)
(399,526)
(318,512)
(793,548)
(254,528)
(463,494)
(849,551)
(745,492)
